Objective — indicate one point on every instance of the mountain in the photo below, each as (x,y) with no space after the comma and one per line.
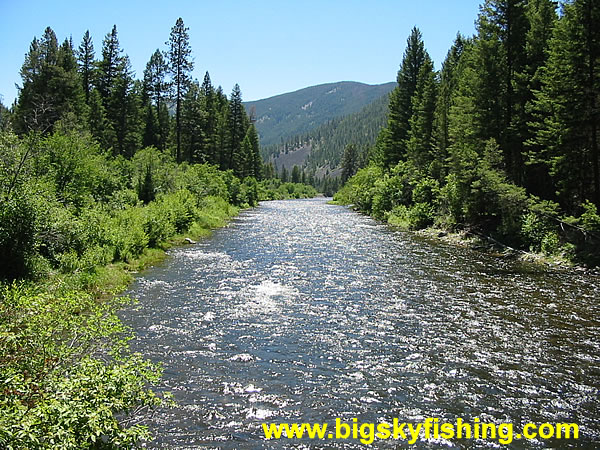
(283,116)
(324,146)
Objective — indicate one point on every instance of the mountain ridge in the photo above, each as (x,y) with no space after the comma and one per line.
(293,113)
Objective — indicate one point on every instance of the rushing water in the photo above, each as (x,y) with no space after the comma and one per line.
(301,311)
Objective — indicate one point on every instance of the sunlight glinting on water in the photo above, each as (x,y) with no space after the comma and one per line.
(301,311)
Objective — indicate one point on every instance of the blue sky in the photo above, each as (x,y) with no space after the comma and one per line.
(268,47)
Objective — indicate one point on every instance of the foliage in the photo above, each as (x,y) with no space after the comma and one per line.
(54,391)
(504,140)
(275,189)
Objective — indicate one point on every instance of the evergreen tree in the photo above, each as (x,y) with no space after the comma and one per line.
(269,171)
(400,107)
(51,88)
(146,188)
(123,111)
(296,176)
(98,125)
(179,56)
(252,151)
(121,99)
(156,90)
(237,130)
(420,140)
(502,29)
(447,87)
(222,129)
(110,66)
(349,162)
(150,134)
(4,117)
(209,127)
(284,175)
(192,119)
(542,18)
(85,58)
(566,106)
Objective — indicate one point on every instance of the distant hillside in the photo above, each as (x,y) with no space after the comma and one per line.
(283,116)
(324,146)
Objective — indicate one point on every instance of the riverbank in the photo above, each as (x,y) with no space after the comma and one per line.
(487,244)
(67,369)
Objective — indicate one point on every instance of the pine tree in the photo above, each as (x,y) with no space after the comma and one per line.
(420,139)
(284,175)
(296,177)
(237,130)
(4,117)
(123,111)
(66,84)
(51,88)
(349,162)
(150,134)
(542,19)
(464,131)
(110,66)
(222,129)
(502,28)
(210,122)
(97,122)
(121,99)
(85,58)
(180,66)
(565,108)
(156,90)
(252,151)
(192,118)
(447,87)
(400,107)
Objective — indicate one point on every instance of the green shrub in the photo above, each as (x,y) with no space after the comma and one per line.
(590,220)
(539,230)
(360,189)
(180,207)
(387,193)
(420,215)
(213,212)
(126,234)
(19,219)
(59,395)
(158,223)
(203,180)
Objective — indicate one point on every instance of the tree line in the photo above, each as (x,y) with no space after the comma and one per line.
(166,109)
(503,139)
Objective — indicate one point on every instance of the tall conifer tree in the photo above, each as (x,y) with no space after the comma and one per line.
(85,58)
(179,55)
(400,108)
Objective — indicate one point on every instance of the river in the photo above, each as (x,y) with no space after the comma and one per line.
(300,311)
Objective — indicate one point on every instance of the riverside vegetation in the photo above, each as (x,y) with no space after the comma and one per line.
(97,178)
(502,141)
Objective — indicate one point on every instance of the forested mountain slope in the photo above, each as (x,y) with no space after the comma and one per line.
(283,116)
(325,145)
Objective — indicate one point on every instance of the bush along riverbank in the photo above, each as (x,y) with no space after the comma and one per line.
(75,224)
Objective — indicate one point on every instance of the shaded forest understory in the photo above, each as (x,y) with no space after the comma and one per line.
(502,141)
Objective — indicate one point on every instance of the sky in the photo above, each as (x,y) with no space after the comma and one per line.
(267,47)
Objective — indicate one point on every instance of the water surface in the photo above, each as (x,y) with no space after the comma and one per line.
(301,311)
